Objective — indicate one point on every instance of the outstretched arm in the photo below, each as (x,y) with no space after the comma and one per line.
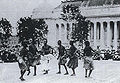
(92,50)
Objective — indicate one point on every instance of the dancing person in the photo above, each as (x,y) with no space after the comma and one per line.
(46,51)
(88,61)
(33,52)
(61,57)
(23,61)
(73,59)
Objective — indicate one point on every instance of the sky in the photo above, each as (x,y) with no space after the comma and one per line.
(14,9)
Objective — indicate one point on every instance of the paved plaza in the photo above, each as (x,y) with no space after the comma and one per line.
(105,72)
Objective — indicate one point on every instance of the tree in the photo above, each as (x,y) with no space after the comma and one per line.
(80,31)
(5,29)
(31,28)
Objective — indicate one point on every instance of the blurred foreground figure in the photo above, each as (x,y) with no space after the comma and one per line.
(23,61)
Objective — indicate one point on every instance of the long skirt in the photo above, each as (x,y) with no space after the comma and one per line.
(88,63)
(73,63)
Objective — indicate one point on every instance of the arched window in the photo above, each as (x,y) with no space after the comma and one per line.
(62,32)
(57,32)
(112,28)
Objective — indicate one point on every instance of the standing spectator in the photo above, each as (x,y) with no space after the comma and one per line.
(61,57)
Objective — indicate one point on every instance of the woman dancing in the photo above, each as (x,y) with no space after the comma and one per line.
(88,61)
(73,59)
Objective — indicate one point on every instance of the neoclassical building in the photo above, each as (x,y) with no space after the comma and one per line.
(104,15)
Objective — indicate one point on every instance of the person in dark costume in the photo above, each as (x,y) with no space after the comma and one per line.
(88,61)
(47,55)
(23,61)
(33,53)
(73,59)
(62,57)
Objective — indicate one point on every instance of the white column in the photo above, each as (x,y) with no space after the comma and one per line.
(95,26)
(115,35)
(101,35)
(108,35)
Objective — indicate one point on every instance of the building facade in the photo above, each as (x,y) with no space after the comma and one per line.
(104,15)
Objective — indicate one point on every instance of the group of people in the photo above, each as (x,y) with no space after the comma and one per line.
(30,57)
(73,54)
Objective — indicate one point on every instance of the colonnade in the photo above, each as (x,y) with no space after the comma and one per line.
(108,32)
(104,34)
